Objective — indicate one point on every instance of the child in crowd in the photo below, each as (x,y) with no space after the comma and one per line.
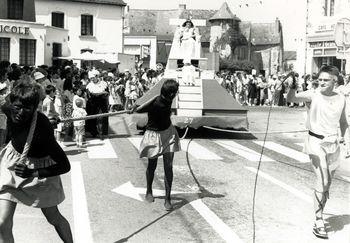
(160,138)
(79,93)
(79,126)
(49,110)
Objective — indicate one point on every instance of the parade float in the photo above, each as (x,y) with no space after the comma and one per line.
(201,100)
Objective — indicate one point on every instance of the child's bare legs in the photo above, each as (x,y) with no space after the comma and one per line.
(168,171)
(62,227)
(152,165)
(7,210)
(80,140)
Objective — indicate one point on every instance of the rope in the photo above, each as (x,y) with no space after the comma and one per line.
(94,116)
(250,132)
(29,140)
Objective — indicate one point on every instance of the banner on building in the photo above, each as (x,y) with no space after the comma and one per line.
(145,51)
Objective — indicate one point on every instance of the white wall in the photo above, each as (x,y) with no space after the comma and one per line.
(36,31)
(107,24)
(55,35)
(317,19)
(132,45)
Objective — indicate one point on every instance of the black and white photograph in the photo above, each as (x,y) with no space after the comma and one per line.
(245,105)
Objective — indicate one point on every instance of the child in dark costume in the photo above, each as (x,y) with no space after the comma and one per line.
(160,138)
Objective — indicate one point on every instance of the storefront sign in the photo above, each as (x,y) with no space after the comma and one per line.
(316,44)
(329,44)
(325,27)
(14,29)
(318,52)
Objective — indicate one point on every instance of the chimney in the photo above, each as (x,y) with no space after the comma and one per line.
(277,25)
(182,6)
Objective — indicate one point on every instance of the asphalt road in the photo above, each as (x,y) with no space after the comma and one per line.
(213,189)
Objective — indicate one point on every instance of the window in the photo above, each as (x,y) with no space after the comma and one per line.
(15,9)
(4,49)
(57,20)
(87,25)
(328,7)
(331,8)
(56,50)
(27,51)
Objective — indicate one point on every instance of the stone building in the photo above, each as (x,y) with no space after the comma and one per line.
(153,30)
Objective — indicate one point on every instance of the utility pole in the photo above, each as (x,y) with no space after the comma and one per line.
(306,33)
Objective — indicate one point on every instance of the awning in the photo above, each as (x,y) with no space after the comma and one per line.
(88,56)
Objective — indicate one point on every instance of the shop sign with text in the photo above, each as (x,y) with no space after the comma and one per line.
(12,29)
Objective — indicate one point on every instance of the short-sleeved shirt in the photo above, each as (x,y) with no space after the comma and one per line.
(324,113)
(97,88)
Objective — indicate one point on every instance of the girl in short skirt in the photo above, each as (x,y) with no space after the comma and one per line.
(160,138)
(31,163)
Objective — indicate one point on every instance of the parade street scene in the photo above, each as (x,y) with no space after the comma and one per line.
(174,121)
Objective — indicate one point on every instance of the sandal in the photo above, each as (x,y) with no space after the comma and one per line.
(319,230)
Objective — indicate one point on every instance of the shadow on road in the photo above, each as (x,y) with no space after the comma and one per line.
(337,222)
(181,201)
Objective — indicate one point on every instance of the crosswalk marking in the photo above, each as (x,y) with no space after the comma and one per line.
(291,153)
(100,149)
(82,230)
(300,144)
(198,151)
(136,141)
(195,149)
(242,151)
(218,225)
(292,190)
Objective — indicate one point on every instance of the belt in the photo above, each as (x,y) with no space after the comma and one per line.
(316,135)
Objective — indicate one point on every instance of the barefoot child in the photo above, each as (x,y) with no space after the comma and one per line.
(31,163)
(160,138)
(79,126)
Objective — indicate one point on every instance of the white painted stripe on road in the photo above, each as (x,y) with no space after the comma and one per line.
(241,150)
(290,189)
(136,141)
(300,144)
(82,230)
(291,153)
(198,151)
(100,149)
(218,225)
(195,149)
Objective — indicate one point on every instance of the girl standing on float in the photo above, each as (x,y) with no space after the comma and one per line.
(160,138)
(30,164)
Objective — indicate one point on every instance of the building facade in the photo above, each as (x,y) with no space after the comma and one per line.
(37,32)
(260,43)
(326,21)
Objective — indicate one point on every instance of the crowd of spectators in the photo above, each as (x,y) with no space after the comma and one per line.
(68,88)
(257,90)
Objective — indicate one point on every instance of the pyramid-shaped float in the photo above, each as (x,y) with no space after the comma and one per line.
(201,100)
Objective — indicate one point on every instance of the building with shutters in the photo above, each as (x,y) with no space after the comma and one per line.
(37,32)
